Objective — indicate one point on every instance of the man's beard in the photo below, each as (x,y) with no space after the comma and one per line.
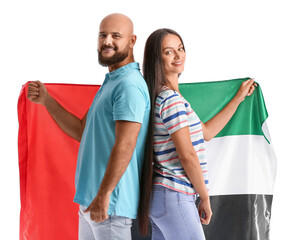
(116,58)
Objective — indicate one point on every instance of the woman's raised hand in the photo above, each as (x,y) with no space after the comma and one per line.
(246,89)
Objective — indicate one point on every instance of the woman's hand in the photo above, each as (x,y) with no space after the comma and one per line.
(212,127)
(246,89)
(205,211)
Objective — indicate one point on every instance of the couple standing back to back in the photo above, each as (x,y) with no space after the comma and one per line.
(135,128)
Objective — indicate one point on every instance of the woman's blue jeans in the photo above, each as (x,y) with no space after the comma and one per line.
(174,216)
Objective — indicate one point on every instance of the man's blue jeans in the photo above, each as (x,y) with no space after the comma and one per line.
(173,215)
(115,227)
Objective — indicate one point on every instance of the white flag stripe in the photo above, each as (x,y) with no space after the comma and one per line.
(242,164)
(265,131)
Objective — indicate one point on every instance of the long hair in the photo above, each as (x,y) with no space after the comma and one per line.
(155,78)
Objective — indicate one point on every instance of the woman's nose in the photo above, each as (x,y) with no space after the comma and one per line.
(177,55)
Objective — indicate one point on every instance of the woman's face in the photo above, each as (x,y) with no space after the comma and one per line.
(173,54)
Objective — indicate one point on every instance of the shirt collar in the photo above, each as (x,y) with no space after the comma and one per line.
(115,73)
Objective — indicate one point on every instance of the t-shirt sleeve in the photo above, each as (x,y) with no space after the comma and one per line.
(129,104)
(173,113)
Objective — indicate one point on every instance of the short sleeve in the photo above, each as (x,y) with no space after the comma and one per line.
(173,112)
(129,104)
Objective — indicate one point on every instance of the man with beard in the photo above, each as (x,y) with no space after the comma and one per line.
(112,136)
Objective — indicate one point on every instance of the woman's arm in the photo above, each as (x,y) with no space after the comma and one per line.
(212,127)
(190,162)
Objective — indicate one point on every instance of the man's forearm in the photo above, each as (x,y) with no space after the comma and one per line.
(69,123)
(118,162)
(126,134)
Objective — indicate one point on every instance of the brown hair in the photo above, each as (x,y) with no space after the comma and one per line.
(155,78)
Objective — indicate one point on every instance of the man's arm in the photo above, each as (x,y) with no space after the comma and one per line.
(126,134)
(70,124)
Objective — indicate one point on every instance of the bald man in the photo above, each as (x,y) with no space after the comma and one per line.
(112,136)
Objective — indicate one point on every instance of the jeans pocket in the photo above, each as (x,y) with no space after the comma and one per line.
(158,204)
(128,221)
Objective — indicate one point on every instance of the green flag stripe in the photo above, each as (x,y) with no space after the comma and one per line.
(208,98)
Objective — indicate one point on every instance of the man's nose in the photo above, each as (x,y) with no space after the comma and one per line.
(108,40)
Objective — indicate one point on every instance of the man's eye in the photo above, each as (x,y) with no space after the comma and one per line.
(102,35)
(181,49)
(116,36)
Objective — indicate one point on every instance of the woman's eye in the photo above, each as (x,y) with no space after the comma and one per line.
(168,52)
(181,49)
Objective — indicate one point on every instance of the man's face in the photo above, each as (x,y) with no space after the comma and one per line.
(113,43)
(109,53)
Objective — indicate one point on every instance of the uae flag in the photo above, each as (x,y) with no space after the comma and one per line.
(241,164)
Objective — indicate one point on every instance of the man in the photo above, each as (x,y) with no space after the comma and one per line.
(112,135)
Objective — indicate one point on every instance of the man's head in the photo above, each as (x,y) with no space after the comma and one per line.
(116,41)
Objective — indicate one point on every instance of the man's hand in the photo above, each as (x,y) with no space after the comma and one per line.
(98,208)
(37,92)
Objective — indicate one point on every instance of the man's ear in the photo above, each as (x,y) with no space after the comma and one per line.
(133,40)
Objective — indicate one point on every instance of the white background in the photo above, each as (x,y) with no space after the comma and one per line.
(55,41)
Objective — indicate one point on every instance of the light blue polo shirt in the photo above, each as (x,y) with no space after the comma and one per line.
(123,96)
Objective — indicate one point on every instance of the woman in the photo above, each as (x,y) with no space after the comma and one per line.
(175,168)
